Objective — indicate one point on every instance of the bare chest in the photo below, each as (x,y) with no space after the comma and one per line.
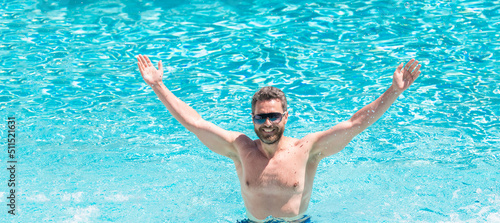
(283,172)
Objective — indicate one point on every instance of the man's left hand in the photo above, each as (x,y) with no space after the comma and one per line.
(404,77)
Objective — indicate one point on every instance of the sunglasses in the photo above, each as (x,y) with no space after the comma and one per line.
(275,117)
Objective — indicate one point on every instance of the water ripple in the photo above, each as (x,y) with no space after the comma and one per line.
(70,75)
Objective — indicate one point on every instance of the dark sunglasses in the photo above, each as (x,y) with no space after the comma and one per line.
(275,117)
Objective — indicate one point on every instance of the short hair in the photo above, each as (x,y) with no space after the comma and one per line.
(269,93)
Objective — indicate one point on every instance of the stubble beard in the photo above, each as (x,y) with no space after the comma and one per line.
(270,139)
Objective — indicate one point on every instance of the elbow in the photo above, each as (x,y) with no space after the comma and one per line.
(193,124)
(354,123)
(356,126)
(362,121)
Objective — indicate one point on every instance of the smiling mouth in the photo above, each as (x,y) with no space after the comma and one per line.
(268,130)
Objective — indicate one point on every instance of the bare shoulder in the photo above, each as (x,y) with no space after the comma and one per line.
(304,144)
(242,140)
(309,142)
(242,143)
(309,139)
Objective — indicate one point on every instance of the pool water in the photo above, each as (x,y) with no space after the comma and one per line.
(94,143)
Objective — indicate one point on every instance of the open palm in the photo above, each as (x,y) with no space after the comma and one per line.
(149,73)
(404,77)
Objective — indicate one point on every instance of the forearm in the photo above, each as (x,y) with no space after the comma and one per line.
(182,112)
(373,111)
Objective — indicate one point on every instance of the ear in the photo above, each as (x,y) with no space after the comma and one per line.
(286,117)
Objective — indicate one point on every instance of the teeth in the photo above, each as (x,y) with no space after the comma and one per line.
(267,130)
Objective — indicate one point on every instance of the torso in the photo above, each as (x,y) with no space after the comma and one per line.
(279,186)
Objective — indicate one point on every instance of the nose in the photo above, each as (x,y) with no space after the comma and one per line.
(268,122)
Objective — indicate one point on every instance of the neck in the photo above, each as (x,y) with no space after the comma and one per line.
(269,150)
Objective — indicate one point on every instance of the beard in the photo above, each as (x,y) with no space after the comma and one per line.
(269,138)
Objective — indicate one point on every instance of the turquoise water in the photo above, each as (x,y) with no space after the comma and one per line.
(94,144)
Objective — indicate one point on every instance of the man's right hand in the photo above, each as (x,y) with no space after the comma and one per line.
(149,73)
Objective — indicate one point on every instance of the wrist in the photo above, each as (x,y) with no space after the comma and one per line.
(156,84)
(395,90)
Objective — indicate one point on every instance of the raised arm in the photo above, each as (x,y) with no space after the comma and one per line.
(215,138)
(333,140)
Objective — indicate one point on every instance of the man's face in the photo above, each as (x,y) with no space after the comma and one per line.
(270,132)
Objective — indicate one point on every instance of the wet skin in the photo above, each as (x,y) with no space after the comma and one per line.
(276,172)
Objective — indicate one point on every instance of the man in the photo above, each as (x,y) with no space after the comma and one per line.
(276,172)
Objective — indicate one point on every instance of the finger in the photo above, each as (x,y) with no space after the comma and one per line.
(139,58)
(409,64)
(417,69)
(416,75)
(160,66)
(400,67)
(149,61)
(413,66)
(138,61)
(143,60)
(141,68)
